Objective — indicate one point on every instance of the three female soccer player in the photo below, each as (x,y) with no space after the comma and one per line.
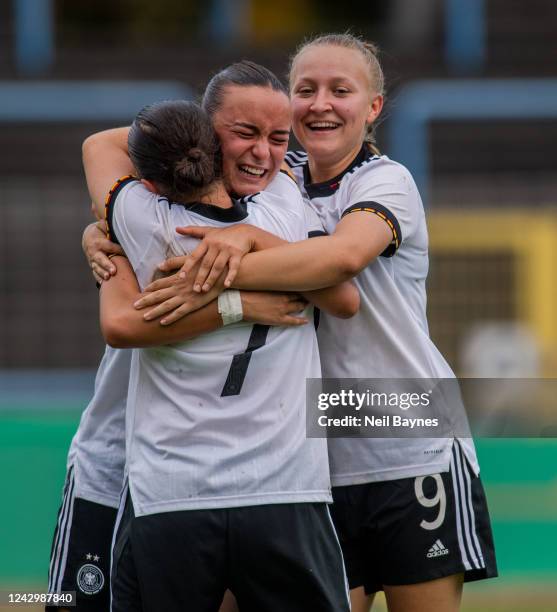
(370,207)
(392,537)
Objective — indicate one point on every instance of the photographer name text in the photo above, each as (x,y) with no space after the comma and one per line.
(373,421)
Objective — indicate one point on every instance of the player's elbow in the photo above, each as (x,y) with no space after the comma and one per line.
(116,332)
(349,305)
(350,265)
(346,304)
(89,145)
(346,258)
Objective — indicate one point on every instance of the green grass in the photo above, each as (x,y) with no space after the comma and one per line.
(520,477)
(33,449)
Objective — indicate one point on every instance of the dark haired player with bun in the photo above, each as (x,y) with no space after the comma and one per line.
(221,475)
(249,108)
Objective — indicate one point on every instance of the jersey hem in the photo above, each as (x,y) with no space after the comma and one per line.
(231,502)
(424,469)
(96,498)
(94,492)
(384,475)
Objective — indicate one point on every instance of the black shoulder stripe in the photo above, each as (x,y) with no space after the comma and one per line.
(295,158)
(109,204)
(317,233)
(288,159)
(387,216)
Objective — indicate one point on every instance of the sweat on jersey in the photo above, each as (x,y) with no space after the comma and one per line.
(217,421)
(388,338)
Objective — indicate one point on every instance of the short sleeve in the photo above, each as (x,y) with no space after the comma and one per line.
(134,222)
(280,209)
(285,187)
(386,189)
(109,205)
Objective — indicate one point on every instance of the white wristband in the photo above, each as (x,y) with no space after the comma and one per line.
(230,306)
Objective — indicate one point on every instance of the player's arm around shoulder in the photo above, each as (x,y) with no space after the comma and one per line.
(342,300)
(105,160)
(386,190)
(359,238)
(378,212)
(123,326)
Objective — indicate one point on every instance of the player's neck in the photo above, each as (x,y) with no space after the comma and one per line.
(325,168)
(217,196)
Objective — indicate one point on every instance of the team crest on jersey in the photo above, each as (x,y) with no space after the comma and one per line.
(90,579)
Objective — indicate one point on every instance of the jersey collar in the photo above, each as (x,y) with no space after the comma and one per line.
(237,212)
(327,188)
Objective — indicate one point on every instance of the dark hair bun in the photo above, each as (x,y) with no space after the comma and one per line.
(174,144)
(194,154)
(194,169)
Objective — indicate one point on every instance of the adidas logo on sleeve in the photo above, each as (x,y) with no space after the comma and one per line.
(437,550)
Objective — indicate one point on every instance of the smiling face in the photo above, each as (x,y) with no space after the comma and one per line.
(253,125)
(332,104)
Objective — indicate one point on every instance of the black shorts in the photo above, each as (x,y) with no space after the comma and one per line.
(273,558)
(414,530)
(80,554)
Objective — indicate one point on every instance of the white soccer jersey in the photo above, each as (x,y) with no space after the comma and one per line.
(217,421)
(388,338)
(97,452)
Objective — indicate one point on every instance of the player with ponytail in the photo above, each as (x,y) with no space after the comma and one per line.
(249,107)
(220,473)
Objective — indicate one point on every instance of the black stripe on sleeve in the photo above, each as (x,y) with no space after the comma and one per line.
(387,216)
(317,233)
(109,205)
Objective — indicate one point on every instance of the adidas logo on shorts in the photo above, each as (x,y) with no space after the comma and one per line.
(437,550)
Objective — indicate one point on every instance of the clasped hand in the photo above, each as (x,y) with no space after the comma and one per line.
(203,274)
